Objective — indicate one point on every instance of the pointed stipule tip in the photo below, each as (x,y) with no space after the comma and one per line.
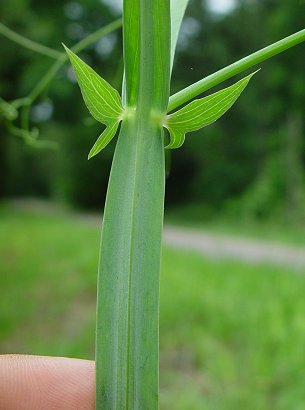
(65,47)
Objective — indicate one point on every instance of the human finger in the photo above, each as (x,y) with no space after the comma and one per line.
(48,383)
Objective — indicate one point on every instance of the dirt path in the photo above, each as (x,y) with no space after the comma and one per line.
(215,246)
(224,246)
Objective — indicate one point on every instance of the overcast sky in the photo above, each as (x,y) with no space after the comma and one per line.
(217,6)
(221,6)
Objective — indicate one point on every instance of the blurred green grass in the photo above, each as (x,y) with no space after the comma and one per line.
(232,335)
(278,229)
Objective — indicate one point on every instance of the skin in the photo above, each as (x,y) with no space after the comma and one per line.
(48,383)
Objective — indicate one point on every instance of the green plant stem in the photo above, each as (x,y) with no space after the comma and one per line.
(128,286)
(27,43)
(127,349)
(10,112)
(45,80)
(224,74)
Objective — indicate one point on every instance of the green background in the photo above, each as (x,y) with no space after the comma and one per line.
(232,334)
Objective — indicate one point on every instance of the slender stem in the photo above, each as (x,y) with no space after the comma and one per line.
(81,45)
(9,110)
(20,102)
(93,37)
(224,74)
(30,136)
(58,55)
(61,58)
(25,118)
(27,43)
(45,80)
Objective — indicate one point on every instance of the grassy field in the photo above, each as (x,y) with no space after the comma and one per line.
(232,336)
(276,230)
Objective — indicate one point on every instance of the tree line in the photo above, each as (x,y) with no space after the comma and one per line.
(249,163)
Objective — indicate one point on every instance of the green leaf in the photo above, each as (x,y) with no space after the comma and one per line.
(101,99)
(178,8)
(104,139)
(202,112)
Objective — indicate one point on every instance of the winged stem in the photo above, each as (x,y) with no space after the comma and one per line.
(128,291)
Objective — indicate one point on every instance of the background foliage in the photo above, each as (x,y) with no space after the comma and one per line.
(232,334)
(250,163)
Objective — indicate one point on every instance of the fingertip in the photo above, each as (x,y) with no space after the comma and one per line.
(49,383)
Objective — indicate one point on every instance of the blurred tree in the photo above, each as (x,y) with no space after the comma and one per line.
(254,155)
(261,138)
(61,173)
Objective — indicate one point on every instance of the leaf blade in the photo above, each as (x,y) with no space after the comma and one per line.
(104,139)
(178,8)
(101,99)
(202,112)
